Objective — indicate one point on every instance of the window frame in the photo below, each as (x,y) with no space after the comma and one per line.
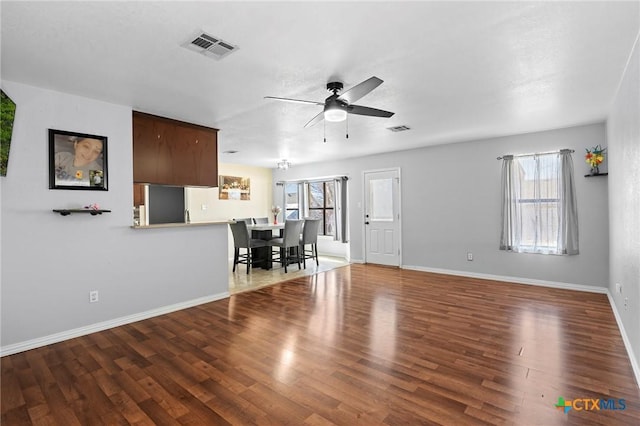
(528,248)
(324,208)
(297,209)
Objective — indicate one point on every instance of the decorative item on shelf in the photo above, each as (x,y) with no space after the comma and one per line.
(93,206)
(594,157)
(275,210)
(284,164)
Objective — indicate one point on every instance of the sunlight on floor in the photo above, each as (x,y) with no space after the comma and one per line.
(240,281)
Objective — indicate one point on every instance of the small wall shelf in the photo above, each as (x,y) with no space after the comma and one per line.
(598,174)
(67,212)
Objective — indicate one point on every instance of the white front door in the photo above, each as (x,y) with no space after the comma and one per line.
(382,217)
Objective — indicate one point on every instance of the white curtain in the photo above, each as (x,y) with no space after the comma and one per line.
(341,209)
(568,235)
(303,197)
(511,216)
(539,211)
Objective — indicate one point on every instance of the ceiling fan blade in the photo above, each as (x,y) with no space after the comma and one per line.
(359,90)
(315,120)
(362,110)
(300,101)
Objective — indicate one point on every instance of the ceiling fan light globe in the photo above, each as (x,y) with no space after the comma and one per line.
(335,115)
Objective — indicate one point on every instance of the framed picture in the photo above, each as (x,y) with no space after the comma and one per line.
(77,161)
(7,114)
(234,188)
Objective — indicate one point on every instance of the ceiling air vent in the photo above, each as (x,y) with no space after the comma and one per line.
(209,45)
(399,128)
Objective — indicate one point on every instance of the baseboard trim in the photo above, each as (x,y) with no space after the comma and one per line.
(105,325)
(625,339)
(517,280)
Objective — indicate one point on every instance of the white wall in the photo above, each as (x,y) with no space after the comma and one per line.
(623,128)
(259,204)
(451,205)
(50,263)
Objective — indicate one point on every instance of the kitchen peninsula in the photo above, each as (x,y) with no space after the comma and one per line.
(180,225)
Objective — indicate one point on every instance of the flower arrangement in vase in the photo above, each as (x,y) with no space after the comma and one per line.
(275,210)
(594,157)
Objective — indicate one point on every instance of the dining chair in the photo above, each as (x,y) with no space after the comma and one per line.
(309,237)
(246,220)
(290,242)
(242,240)
(260,220)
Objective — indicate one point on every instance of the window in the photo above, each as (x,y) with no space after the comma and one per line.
(292,201)
(539,209)
(538,201)
(322,206)
(325,200)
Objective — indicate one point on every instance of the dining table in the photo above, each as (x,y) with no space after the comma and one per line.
(265,226)
(264,231)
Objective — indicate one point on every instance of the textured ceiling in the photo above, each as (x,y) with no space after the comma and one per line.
(452,71)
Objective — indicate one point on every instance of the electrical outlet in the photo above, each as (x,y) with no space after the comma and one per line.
(469,256)
(203,207)
(93,296)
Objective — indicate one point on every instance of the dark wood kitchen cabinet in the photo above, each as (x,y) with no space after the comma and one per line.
(171,152)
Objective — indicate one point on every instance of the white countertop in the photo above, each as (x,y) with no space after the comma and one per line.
(180,225)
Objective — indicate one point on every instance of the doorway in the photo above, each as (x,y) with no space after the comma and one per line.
(382,217)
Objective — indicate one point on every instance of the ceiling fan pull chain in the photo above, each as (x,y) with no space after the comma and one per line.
(324,130)
(347,120)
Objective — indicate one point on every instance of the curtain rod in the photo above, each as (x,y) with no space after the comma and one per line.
(320,179)
(537,153)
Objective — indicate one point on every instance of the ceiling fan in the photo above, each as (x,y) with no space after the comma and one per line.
(337,106)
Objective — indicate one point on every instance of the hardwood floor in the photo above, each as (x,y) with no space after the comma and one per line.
(355,345)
